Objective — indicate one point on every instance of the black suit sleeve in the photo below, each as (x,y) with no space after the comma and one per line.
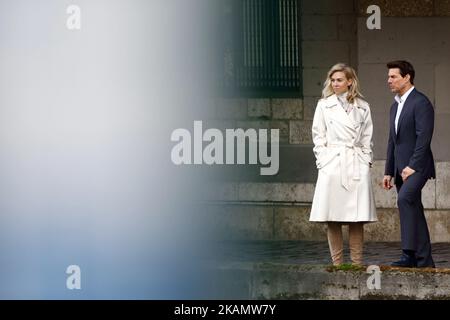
(424,121)
(390,160)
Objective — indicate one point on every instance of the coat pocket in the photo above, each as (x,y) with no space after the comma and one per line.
(366,158)
(325,157)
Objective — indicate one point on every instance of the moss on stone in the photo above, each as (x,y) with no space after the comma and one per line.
(346,267)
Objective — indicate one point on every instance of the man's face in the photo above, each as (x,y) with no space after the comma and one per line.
(396,82)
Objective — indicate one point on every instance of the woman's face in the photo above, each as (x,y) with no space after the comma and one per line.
(340,83)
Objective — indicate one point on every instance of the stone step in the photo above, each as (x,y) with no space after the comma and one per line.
(305,282)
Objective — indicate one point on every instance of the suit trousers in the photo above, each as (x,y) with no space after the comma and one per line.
(414,229)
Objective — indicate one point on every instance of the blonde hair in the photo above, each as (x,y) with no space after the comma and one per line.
(350,74)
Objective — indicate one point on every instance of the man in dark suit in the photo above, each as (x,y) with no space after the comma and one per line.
(410,162)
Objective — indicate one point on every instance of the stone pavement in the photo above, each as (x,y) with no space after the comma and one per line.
(317,253)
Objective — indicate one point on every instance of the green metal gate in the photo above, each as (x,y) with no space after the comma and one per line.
(262,51)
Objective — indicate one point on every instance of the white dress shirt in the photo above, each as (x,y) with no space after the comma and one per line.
(401,101)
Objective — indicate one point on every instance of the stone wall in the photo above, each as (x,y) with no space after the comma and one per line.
(280,211)
(410,8)
(329,36)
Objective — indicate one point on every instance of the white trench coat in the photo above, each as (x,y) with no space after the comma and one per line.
(343,149)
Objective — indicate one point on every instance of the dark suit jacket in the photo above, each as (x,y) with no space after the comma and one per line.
(411,146)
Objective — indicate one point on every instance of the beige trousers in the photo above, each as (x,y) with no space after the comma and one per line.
(336,242)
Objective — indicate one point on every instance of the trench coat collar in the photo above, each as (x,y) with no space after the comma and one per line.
(338,113)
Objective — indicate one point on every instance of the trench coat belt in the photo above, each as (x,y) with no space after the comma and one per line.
(357,150)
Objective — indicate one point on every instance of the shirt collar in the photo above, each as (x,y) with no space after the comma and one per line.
(343,96)
(404,96)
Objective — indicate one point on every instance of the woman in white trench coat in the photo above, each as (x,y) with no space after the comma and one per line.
(342,135)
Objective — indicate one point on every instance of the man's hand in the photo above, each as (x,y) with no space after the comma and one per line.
(387,182)
(407,172)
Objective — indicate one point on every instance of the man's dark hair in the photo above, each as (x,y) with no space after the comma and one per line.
(405,68)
